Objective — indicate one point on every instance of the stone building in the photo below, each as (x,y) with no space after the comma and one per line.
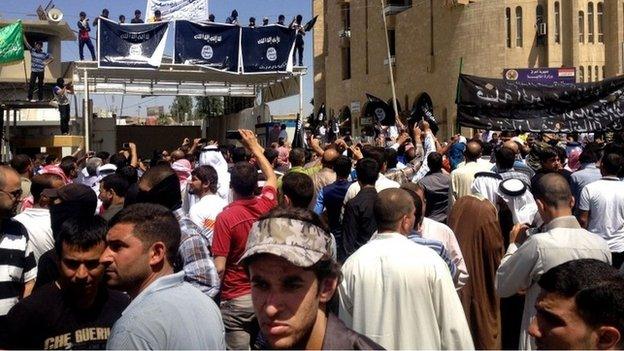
(429,38)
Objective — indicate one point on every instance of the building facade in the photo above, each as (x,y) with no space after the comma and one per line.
(431,40)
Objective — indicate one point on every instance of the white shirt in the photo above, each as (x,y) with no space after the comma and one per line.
(462,178)
(604,199)
(563,240)
(382,183)
(401,295)
(441,232)
(204,213)
(37,223)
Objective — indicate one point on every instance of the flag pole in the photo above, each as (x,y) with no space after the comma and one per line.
(394,99)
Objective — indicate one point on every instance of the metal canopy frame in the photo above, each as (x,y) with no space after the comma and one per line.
(173,80)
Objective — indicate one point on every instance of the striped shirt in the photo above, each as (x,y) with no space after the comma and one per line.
(17,263)
(439,248)
(37,59)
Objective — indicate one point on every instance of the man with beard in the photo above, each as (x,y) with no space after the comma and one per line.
(18,268)
(76,311)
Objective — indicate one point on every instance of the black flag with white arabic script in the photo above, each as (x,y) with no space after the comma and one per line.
(495,104)
(267,49)
(136,46)
(215,46)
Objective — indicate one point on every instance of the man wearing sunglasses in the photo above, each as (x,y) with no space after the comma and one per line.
(18,268)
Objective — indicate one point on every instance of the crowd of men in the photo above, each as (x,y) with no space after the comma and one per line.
(492,241)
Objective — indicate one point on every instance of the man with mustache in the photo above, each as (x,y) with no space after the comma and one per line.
(18,268)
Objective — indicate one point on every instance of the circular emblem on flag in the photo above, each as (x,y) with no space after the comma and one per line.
(380,114)
(511,74)
(207,52)
(271,54)
(135,50)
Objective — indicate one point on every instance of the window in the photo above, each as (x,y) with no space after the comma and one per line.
(581,74)
(392,41)
(590,22)
(589,74)
(600,13)
(596,73)
(557,22)
(539,20)
(604,74)
(519,29)
(508,25)
(346,63)
(345,10)
(581,23)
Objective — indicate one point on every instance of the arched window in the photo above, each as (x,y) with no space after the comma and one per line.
(581,74)
(508,25)
(557,22)
(519,29)
(590,22)
(600,13)
(604,74)
(596,73)
(589,74)
(581,24)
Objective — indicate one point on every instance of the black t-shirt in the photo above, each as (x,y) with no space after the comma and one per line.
(48,320)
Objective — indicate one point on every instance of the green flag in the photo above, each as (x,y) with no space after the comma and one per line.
(11,43)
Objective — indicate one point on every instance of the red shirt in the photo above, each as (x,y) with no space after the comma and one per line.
(230,238)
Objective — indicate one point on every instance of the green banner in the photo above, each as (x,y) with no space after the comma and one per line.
(11,43)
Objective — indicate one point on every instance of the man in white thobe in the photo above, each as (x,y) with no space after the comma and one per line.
(398,293)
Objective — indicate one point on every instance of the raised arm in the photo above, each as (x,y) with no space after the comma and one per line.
(251,143)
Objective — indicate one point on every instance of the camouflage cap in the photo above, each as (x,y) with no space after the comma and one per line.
(301,243)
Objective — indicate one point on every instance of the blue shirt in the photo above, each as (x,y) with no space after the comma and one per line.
(332,197)
(37,59)
(588,173)
(436,246)
(169,314)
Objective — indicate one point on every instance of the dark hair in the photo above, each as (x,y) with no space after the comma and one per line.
(82,233)
(137,12)
(129,173)
(326,267)
(49,159)
(505,158)
(41,182)
(244,179)
(553,189)
(122,16)
(391,156)
(297,157)
(390,206)
(157,13)
(117,183)
(487,149)
(240,154)
(20,163)
(367,171)
(376,153)
(152,223)
(68,163)
(156,174)
(207,174)
(547,153)
(597,288)
(271,155)
(418,205)
(103,155)
(342,167)
(118,160)
(82,14)
(434,161)
(588,156)
(611,163)
(105,11)
(299,188)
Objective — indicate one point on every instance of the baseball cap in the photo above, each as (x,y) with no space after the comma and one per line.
(72,193)
(300,243)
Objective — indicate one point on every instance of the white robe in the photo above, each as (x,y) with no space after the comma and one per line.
(401,295)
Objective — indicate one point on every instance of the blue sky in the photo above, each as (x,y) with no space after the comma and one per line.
(25,9)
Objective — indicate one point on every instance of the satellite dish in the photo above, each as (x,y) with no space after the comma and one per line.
(55,15)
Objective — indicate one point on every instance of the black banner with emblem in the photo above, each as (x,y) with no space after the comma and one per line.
(215,46)
(135,46)
(495,104)
(267,49)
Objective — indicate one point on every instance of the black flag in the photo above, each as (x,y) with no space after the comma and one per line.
(308,26)
(423,111)
(380,111)
(299,137)
(495,104)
